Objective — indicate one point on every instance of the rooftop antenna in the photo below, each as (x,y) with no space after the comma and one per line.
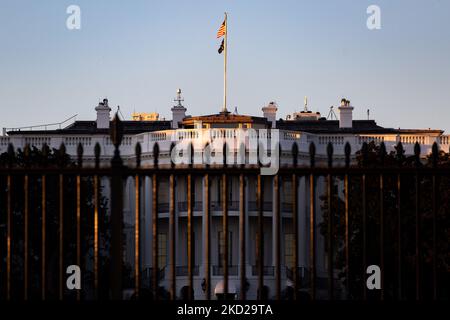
(120,112)
(368,114)
(179,99)
(306,104)
(331,114)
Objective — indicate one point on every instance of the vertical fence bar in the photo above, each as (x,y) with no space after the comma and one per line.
(137,236)
(78,235)
(80,160)
(116,211)
(347,231)
(399,152)
(435,195)
(312,224)
(399,236)
(96,206)
(97,151)
(155,236)
(25,245)
(330,224)
(189,238)
(382,236)
(364,234)
(225,233)
(365,151)
(208,241)
(61,237)
(417,208)
(296,236)
(137,224)
(277,238)
(43,236)
(8,237)
(173,286)
(243,278)
(382,158)
(260,245)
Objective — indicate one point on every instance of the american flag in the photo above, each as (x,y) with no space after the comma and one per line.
(222,30)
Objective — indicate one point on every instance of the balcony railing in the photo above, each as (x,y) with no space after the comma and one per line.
(253,206)
(232,205)
(183,271)
(183,206)
(218,270)
(267,270)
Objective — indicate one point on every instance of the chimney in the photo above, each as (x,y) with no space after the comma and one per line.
(270,113)
(103,114)
(345,114)
(178,111)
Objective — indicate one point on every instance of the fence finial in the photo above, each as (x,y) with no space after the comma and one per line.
(330,154)
(27,154)
(400,152)
(172,146)
(224,154)
(382,152)
(138,152)
(417,154)
(295,154)
(45,152)
(62,155)
(434,154)
(11,154)
(365,153)
(155,154)
(80,154)
(191,154)
(348,151)
(312,154)
(116,134)
(97,151)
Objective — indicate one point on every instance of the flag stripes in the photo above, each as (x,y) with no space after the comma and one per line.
(222,30)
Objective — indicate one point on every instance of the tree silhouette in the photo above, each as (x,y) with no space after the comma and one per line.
(373,157)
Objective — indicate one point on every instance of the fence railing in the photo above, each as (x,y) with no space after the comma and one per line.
(387,213)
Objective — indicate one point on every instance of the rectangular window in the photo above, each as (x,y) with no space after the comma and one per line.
(162,250)
(221,248)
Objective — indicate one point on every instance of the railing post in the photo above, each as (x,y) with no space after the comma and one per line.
(116,211)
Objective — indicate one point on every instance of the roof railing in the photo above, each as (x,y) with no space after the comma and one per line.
(44,126)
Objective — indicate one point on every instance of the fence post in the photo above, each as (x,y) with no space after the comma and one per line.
(116,210)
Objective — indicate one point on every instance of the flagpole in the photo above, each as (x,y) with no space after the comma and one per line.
(224,109)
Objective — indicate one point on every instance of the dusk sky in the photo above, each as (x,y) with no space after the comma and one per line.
(137,53)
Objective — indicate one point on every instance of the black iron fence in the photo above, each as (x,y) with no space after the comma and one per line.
(388,210)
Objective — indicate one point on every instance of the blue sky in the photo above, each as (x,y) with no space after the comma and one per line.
(138,53)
